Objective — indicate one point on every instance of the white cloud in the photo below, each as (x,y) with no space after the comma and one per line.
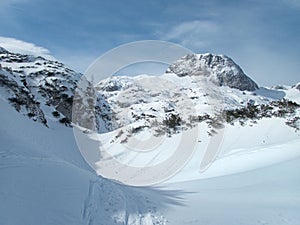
(194,34)
(243,39)
(18,46)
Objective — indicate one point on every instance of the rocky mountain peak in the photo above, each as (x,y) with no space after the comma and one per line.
(220,69)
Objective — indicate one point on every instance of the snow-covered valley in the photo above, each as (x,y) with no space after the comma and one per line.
(44,180)
(251,178)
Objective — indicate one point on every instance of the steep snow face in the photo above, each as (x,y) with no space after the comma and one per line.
(221,70)
(38,88)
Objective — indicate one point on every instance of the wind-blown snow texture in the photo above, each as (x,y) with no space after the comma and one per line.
(45,180)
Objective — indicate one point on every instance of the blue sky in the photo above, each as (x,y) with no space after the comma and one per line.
(263,37)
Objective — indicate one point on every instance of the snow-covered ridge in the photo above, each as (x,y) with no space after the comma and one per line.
(220,69)
(44,179)
(170,103)
(133,110)
(37,87)
(43,90)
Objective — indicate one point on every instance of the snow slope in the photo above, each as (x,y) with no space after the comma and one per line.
(44,180)
(38,88)
(134,111)
(265,196)
(255,179)
(245,148)
(47,182)
(251,180)
(251,177)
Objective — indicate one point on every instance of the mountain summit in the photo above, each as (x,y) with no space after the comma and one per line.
(220,69)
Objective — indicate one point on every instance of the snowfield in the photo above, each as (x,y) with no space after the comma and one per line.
(269,195)
(44,180)
(243,171)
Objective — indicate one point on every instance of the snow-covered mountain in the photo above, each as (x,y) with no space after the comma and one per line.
(132,108)
(220,69)
(193,87)
(197,88)
(43,177)
(39,88)
(45,180)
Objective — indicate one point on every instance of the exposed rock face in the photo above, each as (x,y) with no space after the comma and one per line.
(39,88)
(221,70)
(21,98)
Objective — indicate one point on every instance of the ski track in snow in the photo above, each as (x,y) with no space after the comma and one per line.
(47,182)
(63,183)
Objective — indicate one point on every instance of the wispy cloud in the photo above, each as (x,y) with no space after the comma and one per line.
(17,46)
(261,36)
(194,34)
